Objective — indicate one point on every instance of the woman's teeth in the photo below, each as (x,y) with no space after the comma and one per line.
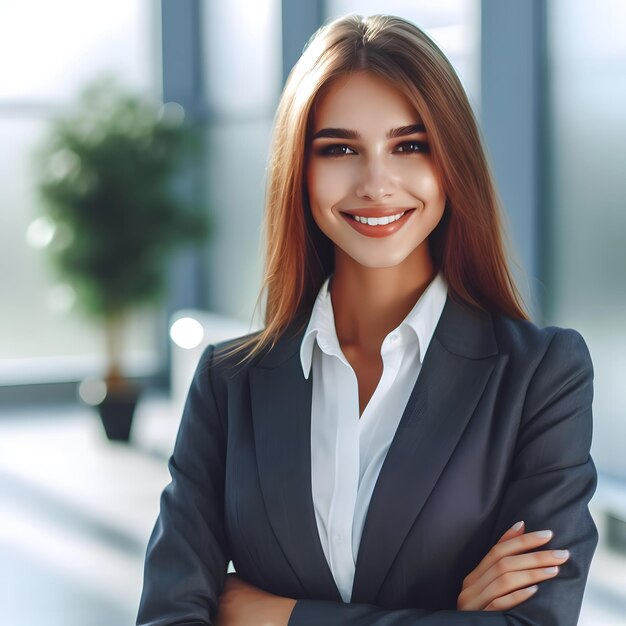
(375,221)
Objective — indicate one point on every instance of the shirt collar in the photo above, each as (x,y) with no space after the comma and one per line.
(421,320)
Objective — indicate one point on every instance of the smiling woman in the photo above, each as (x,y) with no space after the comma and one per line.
(398,442)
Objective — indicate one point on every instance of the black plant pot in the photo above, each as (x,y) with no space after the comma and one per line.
(117,411)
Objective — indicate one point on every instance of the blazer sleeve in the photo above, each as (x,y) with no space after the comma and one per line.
(552,482)
(187,558)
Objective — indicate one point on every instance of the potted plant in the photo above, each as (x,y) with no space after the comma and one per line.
(105,175)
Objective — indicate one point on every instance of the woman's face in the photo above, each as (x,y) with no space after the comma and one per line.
(369,157)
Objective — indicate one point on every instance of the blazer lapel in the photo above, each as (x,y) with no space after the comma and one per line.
(455,371)
(281,412)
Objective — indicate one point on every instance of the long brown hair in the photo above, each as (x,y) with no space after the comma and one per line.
(467,245)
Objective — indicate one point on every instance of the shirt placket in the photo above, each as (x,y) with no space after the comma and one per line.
(346,482)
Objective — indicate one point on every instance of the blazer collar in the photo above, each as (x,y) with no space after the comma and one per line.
(456,369)
(462,330)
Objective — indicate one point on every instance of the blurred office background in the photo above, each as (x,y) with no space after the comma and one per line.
(547,79)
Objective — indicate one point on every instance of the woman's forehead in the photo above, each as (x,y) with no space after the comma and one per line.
(363,99)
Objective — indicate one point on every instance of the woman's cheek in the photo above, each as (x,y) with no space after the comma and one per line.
(423,182)
(326,186)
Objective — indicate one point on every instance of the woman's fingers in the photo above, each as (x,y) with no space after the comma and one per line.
(521,562)
(510,571)
(475,599)
(511,600)
(507,547)
(507,584)
(515,530)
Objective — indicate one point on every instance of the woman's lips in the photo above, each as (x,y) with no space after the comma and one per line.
(383,230)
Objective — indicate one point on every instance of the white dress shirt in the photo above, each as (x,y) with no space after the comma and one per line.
(347,452)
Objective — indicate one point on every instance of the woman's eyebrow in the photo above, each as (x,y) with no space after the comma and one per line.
(344,133)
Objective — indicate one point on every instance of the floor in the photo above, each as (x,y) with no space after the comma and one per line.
(76,512)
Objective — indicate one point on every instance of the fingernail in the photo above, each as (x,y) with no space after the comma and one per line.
(560,554)
(517,525)
(551,570)
(544,534)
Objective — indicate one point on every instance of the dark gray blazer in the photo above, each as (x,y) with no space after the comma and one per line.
(497,429)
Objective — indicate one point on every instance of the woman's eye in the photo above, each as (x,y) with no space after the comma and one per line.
(335,150)
(413,146)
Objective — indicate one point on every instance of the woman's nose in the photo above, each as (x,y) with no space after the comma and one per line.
(376,180)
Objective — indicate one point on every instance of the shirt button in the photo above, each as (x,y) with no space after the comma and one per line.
(338,538)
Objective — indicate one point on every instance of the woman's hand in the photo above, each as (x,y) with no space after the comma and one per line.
(506,577)
(242,604)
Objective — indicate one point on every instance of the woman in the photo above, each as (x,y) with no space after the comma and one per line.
(362,460)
